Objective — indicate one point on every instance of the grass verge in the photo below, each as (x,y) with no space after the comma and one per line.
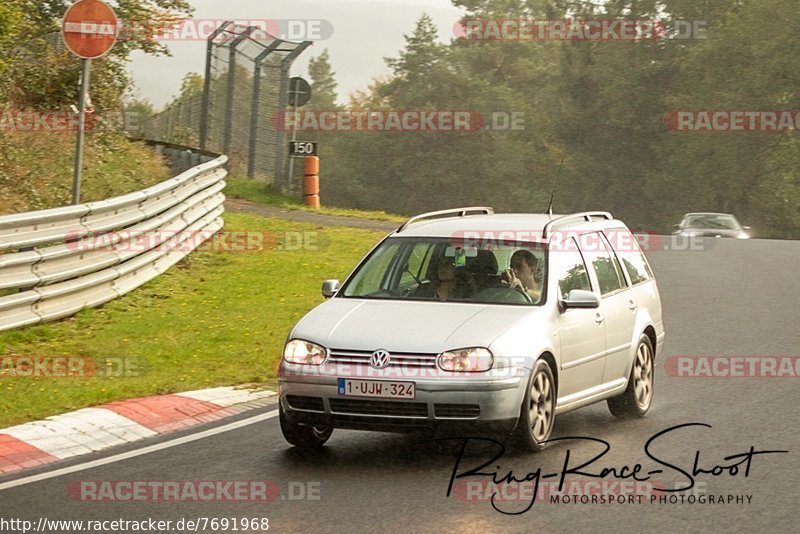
(256,191)
(216,318)
(36,169)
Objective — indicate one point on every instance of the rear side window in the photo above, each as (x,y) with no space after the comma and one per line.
(604,262)
(631,255)
(569,268)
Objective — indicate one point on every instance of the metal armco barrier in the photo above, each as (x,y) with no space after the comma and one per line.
(66,259)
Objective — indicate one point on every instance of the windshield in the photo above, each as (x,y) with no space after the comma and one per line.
(719,221)
(442,270)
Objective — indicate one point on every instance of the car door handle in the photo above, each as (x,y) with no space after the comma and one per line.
(631,305)
(599,318)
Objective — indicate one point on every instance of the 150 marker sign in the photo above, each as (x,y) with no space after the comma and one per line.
(300,149)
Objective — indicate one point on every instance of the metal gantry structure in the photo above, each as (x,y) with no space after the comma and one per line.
(245,94)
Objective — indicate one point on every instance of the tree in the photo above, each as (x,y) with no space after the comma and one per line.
(598,105)
(415,65)
(37,72)
(323,82)
(11,20)
(137,113)
(192,86)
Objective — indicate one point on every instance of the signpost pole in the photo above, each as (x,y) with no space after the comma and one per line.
(89,30)
(296,91)
(86,65)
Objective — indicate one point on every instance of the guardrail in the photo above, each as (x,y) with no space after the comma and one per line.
(180,157)
(63,260)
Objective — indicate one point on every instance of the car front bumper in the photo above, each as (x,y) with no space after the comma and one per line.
(489,403)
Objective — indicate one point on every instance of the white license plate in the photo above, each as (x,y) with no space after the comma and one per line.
(376,388)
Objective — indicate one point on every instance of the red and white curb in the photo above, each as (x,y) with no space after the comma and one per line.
(95,429)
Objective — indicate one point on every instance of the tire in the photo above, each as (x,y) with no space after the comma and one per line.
(637,398)
(538,411)
(301,436)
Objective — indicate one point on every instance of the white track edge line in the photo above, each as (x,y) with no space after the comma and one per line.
(138,452)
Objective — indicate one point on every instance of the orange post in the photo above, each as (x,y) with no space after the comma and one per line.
(312,181)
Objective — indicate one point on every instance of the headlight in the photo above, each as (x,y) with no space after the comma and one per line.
(742,235)
(303,352)
(466,360)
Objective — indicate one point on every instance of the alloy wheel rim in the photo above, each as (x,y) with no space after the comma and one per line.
(643,376)
(320,433)
(540,407)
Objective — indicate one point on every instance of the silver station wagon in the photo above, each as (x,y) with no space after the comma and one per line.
(470,321)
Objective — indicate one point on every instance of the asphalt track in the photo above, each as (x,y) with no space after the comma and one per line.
(734,298)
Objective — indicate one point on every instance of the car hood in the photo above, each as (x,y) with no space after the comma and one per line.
(424,327)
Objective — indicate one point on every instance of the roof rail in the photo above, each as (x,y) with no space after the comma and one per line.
(584,215)
(455,212)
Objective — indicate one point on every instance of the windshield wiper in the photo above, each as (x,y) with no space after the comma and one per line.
(406,269)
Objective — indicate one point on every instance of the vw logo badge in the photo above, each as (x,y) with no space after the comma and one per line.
(379,359)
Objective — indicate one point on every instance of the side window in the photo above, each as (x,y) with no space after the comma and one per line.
(569,268)
(418,261)
(604,263)
(633,259)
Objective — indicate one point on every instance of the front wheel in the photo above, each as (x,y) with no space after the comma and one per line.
(638,396)
(538,412)
(304,437)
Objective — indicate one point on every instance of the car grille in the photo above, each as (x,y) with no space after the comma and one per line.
(457,411)
(297,402)
(372,407)
(400,359)
(381,424)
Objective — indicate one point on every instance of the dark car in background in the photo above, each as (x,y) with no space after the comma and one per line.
(711,225)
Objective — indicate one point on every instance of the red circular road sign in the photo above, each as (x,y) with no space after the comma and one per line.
(90,29)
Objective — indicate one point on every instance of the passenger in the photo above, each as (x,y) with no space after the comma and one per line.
(522,274)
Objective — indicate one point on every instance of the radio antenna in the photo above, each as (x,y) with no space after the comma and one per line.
(555,185)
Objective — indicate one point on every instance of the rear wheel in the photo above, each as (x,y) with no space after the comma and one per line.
(638,396)
(304,437)
(538,409)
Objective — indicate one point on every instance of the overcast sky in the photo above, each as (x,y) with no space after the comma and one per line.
(364,32)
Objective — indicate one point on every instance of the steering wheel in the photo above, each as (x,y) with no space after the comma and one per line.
(503,295)
(528,298)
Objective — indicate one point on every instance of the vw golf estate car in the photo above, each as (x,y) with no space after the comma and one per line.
(467,318)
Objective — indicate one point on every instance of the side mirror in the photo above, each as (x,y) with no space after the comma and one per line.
(747,228)
(329,288)
(579,298)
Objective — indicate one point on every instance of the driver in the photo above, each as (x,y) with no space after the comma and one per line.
(522,274)
(452,282)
